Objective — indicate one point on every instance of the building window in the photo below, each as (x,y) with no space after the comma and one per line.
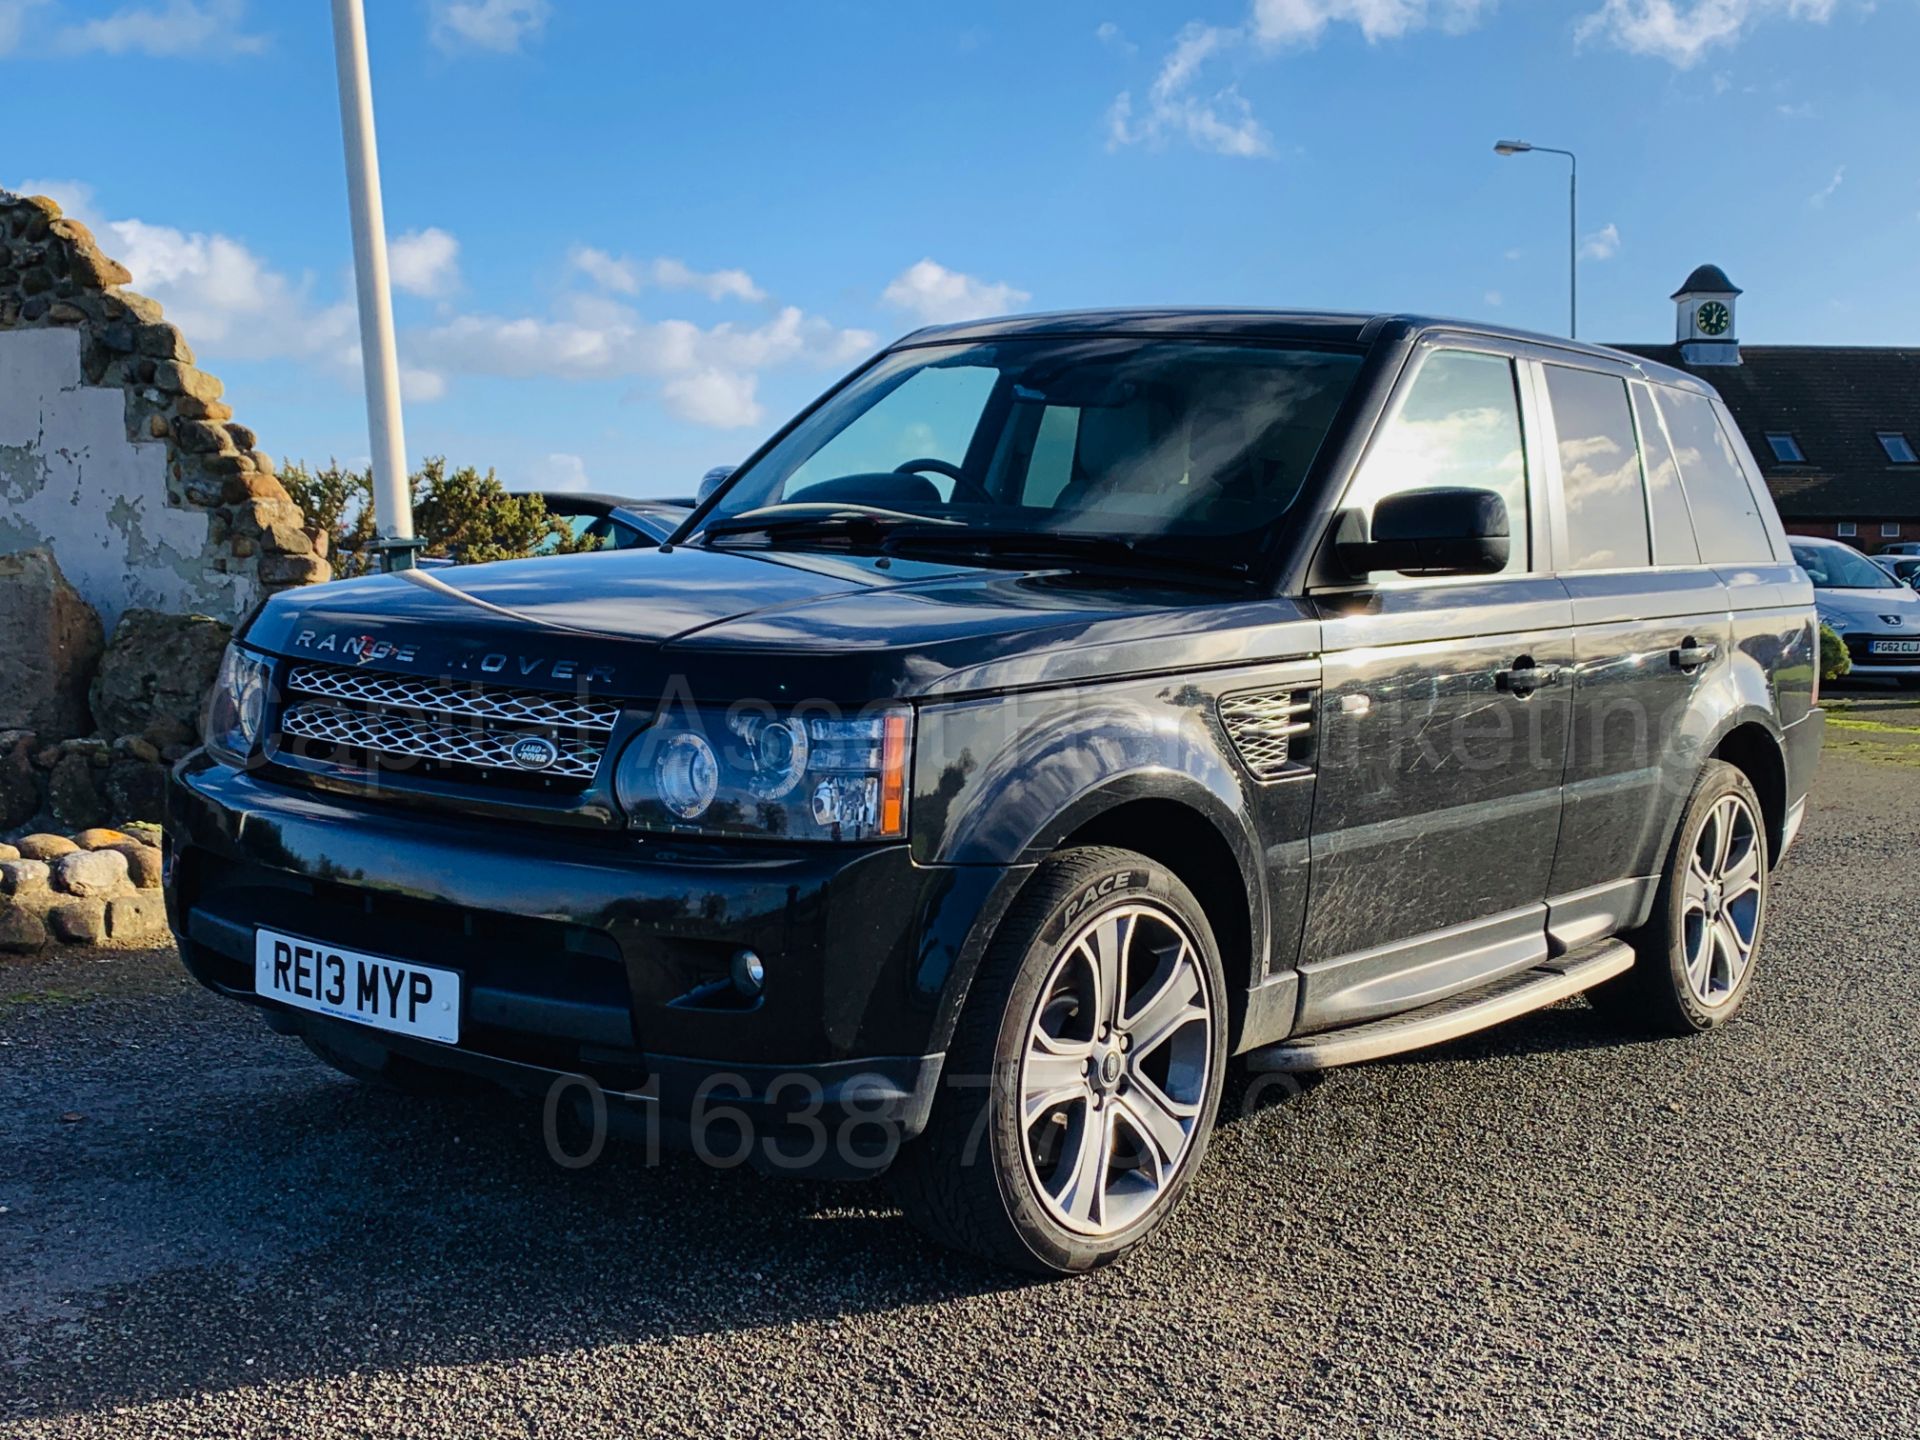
(1846,530)
(1786,449)
(1899,449)
(1890,531)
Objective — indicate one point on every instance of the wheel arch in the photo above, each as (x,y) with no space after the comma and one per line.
(1754,747)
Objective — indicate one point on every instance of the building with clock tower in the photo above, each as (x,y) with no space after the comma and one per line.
(1703,318)
(1835,428)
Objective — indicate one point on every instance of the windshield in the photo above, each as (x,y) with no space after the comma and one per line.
(1163,448)
(1837,568)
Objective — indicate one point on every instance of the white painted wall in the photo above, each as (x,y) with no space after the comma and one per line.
(70,478)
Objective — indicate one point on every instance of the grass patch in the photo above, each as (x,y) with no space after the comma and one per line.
(22,999)
(1880,754)
(1880,727)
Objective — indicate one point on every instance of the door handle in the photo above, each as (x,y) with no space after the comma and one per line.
(1524,677)
(1693,656)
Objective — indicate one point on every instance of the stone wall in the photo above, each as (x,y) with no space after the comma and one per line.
(116,452)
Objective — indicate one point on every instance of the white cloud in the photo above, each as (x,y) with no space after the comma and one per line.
(1802,111)
(605,271)
(13,20)
(421,387)
(178,27)
(561,471)
(1494,298)
(627,276)
(502,26)
(1825,193)
(1682,31)
(1602,244)
(425,262)
(719,398)
(1302,22)
(1222,122)
(707,375)
(1515,253)
(936,294)
(1108,33)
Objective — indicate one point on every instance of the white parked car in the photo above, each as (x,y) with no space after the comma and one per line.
(1877,616)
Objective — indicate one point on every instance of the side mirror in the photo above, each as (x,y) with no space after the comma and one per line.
(712,481)
(1442,531)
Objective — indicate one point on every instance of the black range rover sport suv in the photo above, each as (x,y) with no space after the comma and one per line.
(1058,708)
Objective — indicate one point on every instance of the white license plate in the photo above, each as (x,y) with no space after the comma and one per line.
(387,994)
(1894,647)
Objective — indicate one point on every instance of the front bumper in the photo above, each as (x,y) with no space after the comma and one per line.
(599,955)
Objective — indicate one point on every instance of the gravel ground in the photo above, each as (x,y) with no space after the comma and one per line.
(1541,1230)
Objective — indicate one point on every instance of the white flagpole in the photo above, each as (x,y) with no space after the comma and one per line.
(392,506)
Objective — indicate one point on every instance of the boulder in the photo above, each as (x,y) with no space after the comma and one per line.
(44,847)
(50,644)
(157,670)
(19,784)
(23,877)
(21,931)
(73,792)
(137,917)
(79,922)
(7,852)
(136,789)
(91,872)
(101,838)
(143,864)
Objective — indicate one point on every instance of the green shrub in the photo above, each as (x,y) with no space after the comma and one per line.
(1834,660)
(460,514)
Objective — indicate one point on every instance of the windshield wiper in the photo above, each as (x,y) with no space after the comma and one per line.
(803,520)
(1074,549)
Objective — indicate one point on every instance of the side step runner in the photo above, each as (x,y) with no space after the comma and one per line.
(1452,1017)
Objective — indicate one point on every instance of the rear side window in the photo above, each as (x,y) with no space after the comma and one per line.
(1459,425)
(1599,470)
(1726,516)
(1673,542)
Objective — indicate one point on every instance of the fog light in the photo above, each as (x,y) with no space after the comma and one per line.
(748,973)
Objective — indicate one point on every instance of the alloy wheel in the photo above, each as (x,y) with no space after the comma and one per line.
(1721,901)
(1116,1068)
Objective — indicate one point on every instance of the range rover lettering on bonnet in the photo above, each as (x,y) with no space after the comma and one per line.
(361,648)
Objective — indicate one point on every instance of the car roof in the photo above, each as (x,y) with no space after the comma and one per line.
(1330,326)
(1823,542)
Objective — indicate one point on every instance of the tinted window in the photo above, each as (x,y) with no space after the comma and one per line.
(1673,542)
(1836,567)
(1726,517)
(1599,470)
(930,416)
(1186,450)
(1458,425)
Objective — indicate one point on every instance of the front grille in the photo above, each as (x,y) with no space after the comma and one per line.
(522,707)
(367,721)
(1267,728)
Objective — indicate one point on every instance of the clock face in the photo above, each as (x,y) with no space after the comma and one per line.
(1712,318)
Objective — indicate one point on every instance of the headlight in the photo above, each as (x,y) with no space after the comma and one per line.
(237,706)
(753,770)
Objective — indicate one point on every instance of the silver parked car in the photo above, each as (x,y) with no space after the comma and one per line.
(1877,616)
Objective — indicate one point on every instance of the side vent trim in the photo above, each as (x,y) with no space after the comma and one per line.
(1271,730)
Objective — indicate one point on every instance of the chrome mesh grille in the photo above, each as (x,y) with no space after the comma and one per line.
(1265,727)
(428,739)
(367,720)
(402,692)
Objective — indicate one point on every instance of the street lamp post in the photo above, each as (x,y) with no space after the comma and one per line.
(380,363)
(1521,147)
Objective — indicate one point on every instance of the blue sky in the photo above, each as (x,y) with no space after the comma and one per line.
(632,237)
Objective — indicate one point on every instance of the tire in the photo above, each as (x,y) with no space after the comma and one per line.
(1695,958)
(1129,1107)
(371,1063)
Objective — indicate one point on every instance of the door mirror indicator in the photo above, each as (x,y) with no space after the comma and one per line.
(1440,531)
